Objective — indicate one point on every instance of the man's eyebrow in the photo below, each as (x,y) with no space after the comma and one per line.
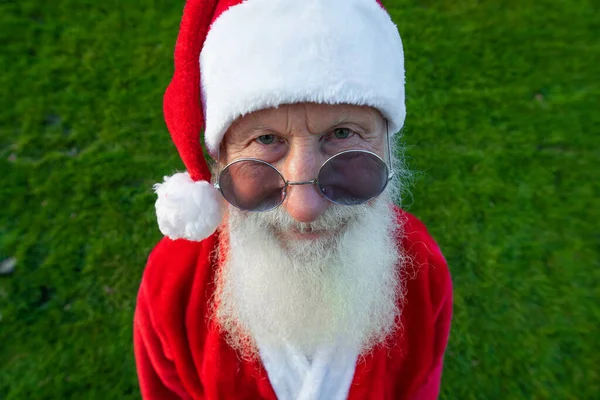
(241,130)
(362,121)
(259,128)
(342,118)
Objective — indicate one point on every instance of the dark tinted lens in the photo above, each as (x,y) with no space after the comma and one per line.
(252,185)
(353,177)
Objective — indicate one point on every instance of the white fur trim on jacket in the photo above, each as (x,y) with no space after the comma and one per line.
(264,53)
(293,377)
(186,209)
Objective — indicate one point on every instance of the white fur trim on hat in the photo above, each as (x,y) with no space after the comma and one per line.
(264,53)
(186,209)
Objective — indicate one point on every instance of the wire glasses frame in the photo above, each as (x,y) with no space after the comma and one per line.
(338,188)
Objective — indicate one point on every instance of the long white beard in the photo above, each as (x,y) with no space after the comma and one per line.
(343,290)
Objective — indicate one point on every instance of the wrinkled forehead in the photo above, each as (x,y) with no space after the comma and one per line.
(314,118)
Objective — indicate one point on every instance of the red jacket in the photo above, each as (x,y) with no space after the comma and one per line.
(180,354)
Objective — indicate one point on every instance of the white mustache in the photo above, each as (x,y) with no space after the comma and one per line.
(334,218)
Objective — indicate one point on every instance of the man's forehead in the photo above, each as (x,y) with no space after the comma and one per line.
(316,117)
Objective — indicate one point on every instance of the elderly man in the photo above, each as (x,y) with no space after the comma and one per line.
(289,273)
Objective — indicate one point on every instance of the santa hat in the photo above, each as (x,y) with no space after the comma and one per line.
(233,57)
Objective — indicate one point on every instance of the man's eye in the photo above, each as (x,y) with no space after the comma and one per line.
(266,139)
(342,133)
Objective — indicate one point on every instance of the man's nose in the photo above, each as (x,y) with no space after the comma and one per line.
(304,203)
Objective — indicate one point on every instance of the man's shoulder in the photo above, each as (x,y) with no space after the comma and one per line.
(425,265)
(416,240)
(174,268)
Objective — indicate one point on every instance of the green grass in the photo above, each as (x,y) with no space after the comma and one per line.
(504,103)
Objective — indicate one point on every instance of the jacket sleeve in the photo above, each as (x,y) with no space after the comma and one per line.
(440,289)
(157,374)
(430,389)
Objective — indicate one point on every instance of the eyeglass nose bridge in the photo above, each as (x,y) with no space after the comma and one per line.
(312,182)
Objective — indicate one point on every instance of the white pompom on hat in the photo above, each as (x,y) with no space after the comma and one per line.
(233,57)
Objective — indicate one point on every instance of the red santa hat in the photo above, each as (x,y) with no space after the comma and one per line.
(233,57)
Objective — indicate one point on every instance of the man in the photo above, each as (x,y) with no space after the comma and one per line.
(294,276)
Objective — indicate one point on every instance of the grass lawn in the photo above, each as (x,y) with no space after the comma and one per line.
(503,126)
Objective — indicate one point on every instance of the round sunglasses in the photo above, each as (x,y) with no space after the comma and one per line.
(351,177)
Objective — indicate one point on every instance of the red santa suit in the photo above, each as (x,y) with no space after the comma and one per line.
(181,354)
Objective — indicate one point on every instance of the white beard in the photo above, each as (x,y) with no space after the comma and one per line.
(343,290)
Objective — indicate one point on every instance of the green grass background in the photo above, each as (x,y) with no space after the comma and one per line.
(503,100)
